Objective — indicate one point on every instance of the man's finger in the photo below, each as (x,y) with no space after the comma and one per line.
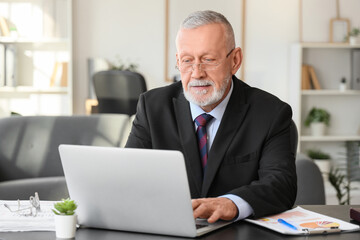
(214,217)
(195,203)
(201,212)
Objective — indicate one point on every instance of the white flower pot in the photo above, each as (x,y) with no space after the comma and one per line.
(354,40)
(324,166)
(65,226)
(318,128)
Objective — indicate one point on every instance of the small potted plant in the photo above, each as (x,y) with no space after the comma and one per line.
(318,119)
(354,36)
(65,218)
(322,160)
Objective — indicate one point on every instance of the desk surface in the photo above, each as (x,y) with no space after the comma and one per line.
(238,230)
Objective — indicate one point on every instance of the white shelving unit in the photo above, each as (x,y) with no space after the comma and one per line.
(42,58)
(331,63)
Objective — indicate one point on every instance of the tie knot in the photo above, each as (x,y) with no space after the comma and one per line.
(203,119)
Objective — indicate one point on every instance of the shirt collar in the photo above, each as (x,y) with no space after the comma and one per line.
(217,112)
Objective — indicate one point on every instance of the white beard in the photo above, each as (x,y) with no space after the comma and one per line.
(198,97)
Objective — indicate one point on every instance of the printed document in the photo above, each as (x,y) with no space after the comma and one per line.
(299,221)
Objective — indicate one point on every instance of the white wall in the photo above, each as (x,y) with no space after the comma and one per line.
(135,30)
(132,30)
(271,26)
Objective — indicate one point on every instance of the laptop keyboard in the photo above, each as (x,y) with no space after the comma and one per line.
(198,226)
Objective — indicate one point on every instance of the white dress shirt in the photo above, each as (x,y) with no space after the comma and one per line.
(244,208)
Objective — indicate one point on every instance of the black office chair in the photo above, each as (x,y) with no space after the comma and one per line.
(118,91)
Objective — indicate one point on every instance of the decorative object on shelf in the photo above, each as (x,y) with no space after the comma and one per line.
(13,32)
(353,36)
(118,64)
(318,119)
(65,218)
(342,86)
(341,184)
(322,160)
(339,27)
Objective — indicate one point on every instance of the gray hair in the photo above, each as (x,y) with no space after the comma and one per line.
(201,18)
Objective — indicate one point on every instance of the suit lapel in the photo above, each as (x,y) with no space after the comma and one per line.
(188,140)
(233,117)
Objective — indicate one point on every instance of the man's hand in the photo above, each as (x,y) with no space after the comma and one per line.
(214,209)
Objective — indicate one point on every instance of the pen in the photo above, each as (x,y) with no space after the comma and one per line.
(282,221)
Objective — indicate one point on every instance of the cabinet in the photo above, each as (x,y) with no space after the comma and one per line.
(36,53)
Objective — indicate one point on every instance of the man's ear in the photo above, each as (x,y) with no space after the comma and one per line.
(236,60)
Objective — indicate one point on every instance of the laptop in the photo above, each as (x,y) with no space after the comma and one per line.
(137,190)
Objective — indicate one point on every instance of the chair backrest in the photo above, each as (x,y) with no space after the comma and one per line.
(118,91)
(293,137)
(310,183)
(29,145)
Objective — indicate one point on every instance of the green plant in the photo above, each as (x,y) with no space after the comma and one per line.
(341,184)
(65,207)
(353,33)
(317,115)
(317,154)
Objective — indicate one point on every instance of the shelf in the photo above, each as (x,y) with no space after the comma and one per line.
(329,92)
(32,90)
(7,40)
(330,138)
(329,45)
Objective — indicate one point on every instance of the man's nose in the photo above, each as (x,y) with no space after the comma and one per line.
(197,71)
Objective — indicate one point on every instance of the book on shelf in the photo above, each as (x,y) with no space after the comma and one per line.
(314,79)
(305,77)
(309,79)
(4,27)
(59,76)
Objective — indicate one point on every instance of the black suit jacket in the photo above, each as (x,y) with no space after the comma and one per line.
(250,156)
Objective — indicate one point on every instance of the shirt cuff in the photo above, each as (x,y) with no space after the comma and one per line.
(244,209)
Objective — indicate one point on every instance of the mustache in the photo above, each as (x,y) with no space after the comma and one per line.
(198,83)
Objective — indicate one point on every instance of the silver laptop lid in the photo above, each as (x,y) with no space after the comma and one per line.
(137,190)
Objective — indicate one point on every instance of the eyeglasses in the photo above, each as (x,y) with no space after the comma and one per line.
(31,210)
(189,67)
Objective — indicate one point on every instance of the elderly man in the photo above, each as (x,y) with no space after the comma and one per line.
(235,138)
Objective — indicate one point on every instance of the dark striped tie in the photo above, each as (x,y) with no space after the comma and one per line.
(201,122)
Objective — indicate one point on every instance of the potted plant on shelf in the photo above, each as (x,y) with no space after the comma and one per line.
(322,160)
(65,218)
(354,36)
(318,119)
